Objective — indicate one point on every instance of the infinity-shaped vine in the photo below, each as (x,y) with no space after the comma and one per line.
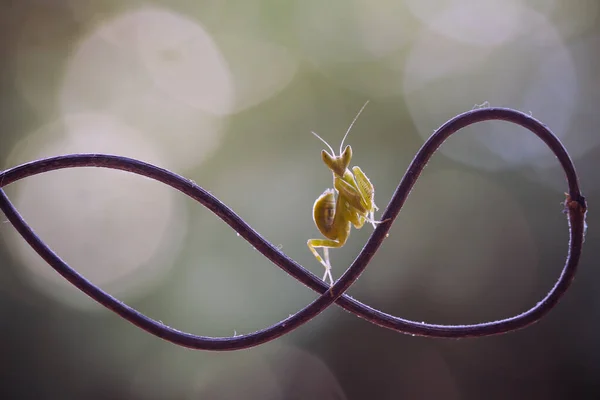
(575,208)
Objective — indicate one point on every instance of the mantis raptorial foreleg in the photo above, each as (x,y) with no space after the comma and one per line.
(358,191)
(350,193)
(368,192)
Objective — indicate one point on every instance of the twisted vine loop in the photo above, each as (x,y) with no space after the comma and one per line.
(575,208)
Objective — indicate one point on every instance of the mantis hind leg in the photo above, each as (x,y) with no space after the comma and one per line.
(327,273)
(326,244)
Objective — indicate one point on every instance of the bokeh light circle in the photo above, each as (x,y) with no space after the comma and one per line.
(535,73)
(118,230)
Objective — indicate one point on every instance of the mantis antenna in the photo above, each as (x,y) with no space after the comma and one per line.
(347,132)
(351,125)
(327,144)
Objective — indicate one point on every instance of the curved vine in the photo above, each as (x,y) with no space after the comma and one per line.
(575,208)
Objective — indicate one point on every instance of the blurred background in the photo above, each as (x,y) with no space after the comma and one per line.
(226,94)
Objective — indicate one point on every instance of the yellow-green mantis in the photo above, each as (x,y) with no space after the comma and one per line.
(354,205)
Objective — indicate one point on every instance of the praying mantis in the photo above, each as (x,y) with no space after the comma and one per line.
(354,205)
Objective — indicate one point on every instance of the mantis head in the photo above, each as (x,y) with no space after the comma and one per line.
(339,164)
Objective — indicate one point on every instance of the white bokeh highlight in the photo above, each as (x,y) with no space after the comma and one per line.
(479,23)
(119,230)
(533,73)
(161,74)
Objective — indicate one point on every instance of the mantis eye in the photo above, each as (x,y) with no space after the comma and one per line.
(346,156)
(327,158)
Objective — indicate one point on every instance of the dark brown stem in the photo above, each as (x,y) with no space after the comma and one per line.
(575,207)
